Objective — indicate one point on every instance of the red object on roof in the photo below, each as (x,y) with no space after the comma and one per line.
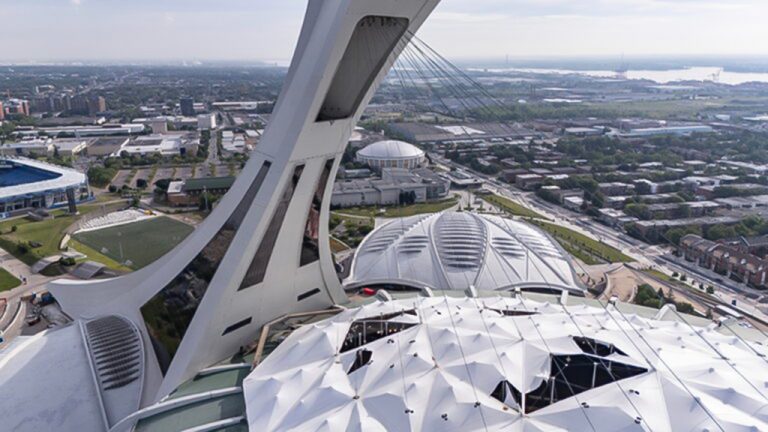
(369,291)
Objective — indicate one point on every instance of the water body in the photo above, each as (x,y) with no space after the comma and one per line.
(702,74)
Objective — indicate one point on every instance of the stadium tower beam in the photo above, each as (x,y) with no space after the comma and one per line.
(264,251)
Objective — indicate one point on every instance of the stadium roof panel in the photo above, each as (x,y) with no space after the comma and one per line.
(66,178)
(447,363)
(456,250)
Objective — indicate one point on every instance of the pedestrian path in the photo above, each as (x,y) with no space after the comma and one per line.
(30,281)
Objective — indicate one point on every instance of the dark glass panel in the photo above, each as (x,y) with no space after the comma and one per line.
(258,268)
(310,248)
(371,44)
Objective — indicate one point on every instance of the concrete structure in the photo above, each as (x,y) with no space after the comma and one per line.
(392,154)
(94,131)
(529,181)
(462,133)
(451,251)
(42,185)
(188,192)
(669,130)
(70,147)
(420,186)
(106,146)
(264,251)
(170,144)
(36,147)
(206,121)
(234,143)
(158,125)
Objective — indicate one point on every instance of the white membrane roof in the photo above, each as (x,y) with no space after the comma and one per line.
(391,149)
(454,250)
(438,364)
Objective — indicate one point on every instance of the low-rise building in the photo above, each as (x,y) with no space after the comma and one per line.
(395,186)
(726,259)
(616,188)
(206,121)
(573,203)
(35,147)
(687,209)
(529,181)
(187,192)
(711,192)
(615,218)
(70,147)
(654,230)
(106,146)
(164,145)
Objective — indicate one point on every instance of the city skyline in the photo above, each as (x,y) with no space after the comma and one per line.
(172,30)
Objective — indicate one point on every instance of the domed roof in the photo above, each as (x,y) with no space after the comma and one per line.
(451,251)
(391,149)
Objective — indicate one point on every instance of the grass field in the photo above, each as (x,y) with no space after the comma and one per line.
(141,243)
(583,247)
(400,211)
(47,233)
(7,280)
(96,256)
(512,207)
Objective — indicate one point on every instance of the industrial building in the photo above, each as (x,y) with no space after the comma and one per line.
(171,144)
(420,185)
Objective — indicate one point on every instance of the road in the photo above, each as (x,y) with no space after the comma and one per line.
(647,256)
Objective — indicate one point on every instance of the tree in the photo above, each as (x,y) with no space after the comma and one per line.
(100,176)
(639,211)
(720,231)
(642,188)
(682,212)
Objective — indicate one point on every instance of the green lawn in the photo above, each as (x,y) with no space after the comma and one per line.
(583,247)
(512,207)
(400,211)
(7,280)
(141,243)
(48,233)
(659,275)
(96,256)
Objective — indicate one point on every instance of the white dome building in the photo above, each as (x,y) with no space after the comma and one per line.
(392,154)
(452,251)
(507,364)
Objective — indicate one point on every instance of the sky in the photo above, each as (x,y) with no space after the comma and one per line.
(266,30)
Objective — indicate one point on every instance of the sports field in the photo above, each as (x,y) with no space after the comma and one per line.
(141,243)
